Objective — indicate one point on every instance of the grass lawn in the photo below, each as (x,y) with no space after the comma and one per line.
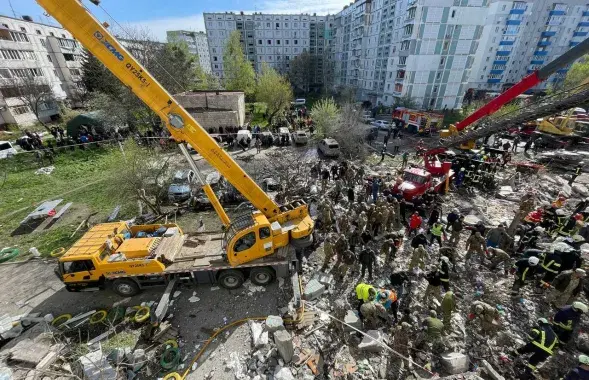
(258,115)
(82,177)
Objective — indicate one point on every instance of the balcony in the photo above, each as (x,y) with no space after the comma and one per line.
(584,23)
(503,53)
(573,43)
(497,71)
(557,13)
(500,62)
(540,52)
(506,43)
(562,71)
(548,34)
(579,34)
(544,43)
(496,80)
(517,11)
(536,62)
(513,22)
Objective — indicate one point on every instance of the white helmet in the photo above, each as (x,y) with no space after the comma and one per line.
(533,261)
(478,309)
(539,229)
(543,321)
(580,306)
(445,259)
(584,359)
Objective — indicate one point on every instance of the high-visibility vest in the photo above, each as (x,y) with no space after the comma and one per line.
(546,340)
(548,266)
(363,292)
(437,229)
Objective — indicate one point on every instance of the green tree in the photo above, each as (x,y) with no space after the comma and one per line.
(238,72)
(406,101)
(301,71)
(326,115)
(578,73)
(274,90)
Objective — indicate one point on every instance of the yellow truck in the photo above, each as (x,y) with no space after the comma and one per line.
(128,258)
(255,244)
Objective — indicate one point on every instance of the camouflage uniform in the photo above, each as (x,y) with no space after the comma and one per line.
(387,249)
(477,244)
(350,175)
(343,224)
(448,307)
(348,259)
(418,258)
(362,221)
(372,312)
(385,217)
(340,247)
(397,222)
(328,251)
(487,316)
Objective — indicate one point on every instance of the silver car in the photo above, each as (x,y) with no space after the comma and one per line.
(181,188)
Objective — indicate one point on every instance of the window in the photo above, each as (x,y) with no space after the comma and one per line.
(264,233)
(49,58)
(296,42)
(215,58)
(20,110)
(402,60)
(503,7)
(67,43)
(216,66)
(78,266)
(19,37)
(245,242)
(439,75)
(267,25)
(42,42)
(277,25)
(10,54)
(453,13)
(68,57)
(22,29)
(269,42)
(286,42)
(435,90)
(26,73)
(6,26)
(51,34)
(38,31)
(55,72)
(75,72)
(259,42)
(277,42)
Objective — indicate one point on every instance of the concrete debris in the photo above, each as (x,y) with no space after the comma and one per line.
(259,336)
(284,345)
(490,371)
(283,373)
(96,366)
(176,293)
(454,362)
(6,373)
(234,364)
(45,171)
(314,289)
(353,320)
(274,323)
(139,359)
(373,342)
(194,298)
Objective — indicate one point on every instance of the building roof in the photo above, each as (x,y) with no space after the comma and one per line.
(35,22)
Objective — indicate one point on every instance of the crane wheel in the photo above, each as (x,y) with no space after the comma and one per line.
(231,279)
(262,276)
(125,287)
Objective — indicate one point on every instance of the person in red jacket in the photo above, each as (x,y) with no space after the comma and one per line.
(414,223)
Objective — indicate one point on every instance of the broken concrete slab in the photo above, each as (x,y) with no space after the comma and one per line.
(139,359)
(283,373)
(29,353)
(454,362)
(96,367)
(324,278)
(313,290)
(353,320)
(373,342)
(259,336)
(489,370)
(274,323)
(283,342)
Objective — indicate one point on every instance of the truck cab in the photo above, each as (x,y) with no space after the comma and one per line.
(415,182)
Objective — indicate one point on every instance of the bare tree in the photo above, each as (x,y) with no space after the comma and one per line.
(302,70)
(32,91)
(351,133)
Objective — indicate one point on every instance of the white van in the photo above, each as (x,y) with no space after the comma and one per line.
(329,147)
(299,102)
(6,150)
(300,137)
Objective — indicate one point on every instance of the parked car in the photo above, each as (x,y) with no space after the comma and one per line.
(329,147)
(300,137)
(299,102)
(381,124)
(6,150)
(284,135)
(181,188)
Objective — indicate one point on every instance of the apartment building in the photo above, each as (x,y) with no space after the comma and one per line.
(522,36)
(197,44)
(274,39)
(423,49)
(44,52)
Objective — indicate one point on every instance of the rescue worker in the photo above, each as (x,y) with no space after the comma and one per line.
(434,329)
(389,300)
(348,259)
(371,313)
(475,244)
(419,239)
(581,206)
(384,217)
(437,230)
(497,256)
(364,293)
(448,307)
(391,217)
(418,258)
(486,314)
(398,217)
(480,227)
(378,221)
(581,372)
(452,216)
(340,246)
(496,235)
(577,172)
(343,224)
(530,239)
(523,269)
(324,179)
(367,259)
(328,251)
(434,281)
(414,223)
(570,227)
(542,345)
(457,227)
(460,177)
(326,216)
(388,249)
(567,319)
(445,272)
(551,267)
(566,287)
(450,253)
(362,221)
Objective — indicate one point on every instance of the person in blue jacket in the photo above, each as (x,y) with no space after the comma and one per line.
(581,372)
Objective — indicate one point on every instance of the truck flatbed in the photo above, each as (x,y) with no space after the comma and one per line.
(205,253)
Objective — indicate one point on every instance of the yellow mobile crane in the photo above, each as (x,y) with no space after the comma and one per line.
(125,254)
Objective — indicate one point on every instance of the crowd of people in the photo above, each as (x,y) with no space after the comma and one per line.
(372,229)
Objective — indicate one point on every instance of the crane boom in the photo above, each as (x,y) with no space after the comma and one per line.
(73,16)
(525,84)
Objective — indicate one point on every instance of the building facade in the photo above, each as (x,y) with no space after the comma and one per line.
(197,44)
(42,54)
(522,36)
(274,39)
(422,49)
